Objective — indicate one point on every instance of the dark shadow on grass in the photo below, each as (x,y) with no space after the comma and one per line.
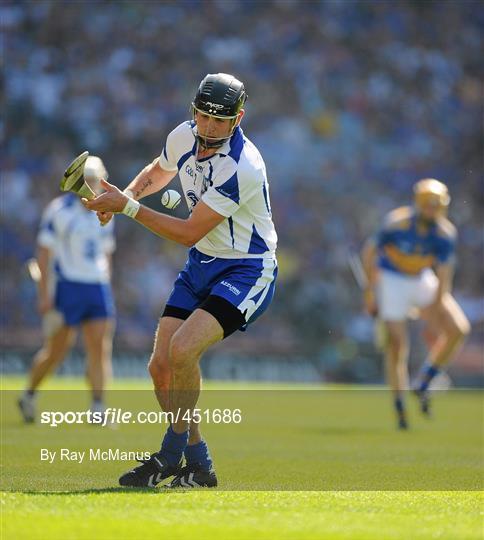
(96,491)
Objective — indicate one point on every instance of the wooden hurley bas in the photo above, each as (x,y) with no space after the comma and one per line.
(73,179)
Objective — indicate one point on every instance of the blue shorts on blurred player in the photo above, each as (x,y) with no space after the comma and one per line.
(79,302)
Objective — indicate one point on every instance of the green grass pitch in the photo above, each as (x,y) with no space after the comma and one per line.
(340,472)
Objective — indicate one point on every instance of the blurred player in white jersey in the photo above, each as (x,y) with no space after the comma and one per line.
(228,281)
(409,265)
(74,259)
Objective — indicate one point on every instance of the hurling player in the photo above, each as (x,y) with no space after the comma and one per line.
(228,280)
(74,261)
(409,265)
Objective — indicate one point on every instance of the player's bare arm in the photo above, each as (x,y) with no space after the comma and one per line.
(444,273)
(44,300)
(149,180)
(369,261)
(183,231)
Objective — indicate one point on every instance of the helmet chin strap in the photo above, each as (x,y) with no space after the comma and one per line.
(213,144)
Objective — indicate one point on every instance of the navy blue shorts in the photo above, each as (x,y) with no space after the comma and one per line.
(79,302)
(247,284)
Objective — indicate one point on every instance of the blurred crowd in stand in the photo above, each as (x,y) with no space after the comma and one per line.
(349,102)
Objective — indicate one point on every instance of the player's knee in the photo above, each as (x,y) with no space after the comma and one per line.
(182,353)
(465,328)
(395,338)
(158,368)
(460,329)
(396,341)
(47,357)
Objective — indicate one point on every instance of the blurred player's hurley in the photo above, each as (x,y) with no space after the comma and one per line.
(228,280)
(400,263)
(72,272)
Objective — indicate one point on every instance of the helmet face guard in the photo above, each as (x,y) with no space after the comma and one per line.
(212,142)
(219,96)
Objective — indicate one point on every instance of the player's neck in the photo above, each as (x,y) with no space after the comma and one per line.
(425,223)
(203,152)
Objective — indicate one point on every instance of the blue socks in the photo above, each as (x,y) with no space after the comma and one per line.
(427,373)
(199,453)
(173,446)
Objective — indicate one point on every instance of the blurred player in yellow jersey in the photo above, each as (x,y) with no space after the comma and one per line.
(409,265)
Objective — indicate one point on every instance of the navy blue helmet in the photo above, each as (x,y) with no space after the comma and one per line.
(222,96)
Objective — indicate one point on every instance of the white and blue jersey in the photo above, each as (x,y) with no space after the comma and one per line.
(236,260)
(80,250)
(233,183)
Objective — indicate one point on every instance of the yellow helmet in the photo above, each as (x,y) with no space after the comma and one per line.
(431,191)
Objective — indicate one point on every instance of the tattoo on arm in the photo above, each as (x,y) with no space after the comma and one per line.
(148,182)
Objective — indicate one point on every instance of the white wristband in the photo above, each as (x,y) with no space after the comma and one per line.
(131,208)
